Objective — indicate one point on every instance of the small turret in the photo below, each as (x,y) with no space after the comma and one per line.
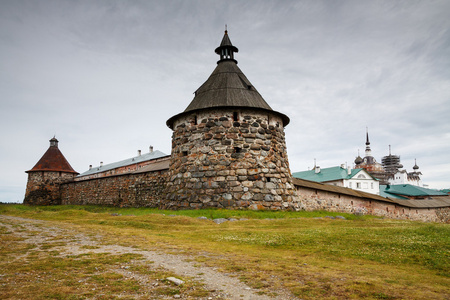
(46,176)
(54,142)
(226,49)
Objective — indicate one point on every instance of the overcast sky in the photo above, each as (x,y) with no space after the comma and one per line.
(104,76)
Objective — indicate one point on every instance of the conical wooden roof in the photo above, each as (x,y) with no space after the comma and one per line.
(227,87)
(53,160)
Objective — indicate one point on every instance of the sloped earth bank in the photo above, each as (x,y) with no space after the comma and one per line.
(45,236)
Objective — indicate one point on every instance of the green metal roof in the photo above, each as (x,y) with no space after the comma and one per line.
(327,174)
(408,190)
(447,191)
(391,196)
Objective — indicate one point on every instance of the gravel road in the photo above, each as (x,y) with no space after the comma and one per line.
(222,286)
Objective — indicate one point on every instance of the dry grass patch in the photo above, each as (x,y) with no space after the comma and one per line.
(36,271)
(312,258)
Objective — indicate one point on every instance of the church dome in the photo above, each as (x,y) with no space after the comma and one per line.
(358,160)
(416,167)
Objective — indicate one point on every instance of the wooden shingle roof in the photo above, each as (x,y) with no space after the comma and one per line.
(227,87)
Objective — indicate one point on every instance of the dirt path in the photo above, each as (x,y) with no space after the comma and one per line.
(74,242)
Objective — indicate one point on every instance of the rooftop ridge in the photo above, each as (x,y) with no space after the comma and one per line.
(125,162)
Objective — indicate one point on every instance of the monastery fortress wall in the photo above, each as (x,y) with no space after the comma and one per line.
(125,190)
(148,189)
(318,196)
(228,151)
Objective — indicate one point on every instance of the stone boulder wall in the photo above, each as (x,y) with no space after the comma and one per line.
(230,159)
(316,199)
(125,190)
(43,187)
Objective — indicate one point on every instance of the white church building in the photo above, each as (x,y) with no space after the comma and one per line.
(357,179)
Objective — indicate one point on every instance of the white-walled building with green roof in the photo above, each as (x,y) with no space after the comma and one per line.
(357,179)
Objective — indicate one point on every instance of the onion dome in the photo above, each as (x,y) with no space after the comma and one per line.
(358,160)
(416,167)
(53,160)
(227,87)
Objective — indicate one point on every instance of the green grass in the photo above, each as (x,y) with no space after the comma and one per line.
(361,257)
(209,213)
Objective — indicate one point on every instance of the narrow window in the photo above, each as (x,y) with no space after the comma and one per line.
(268,179)
(235,116)
(195,120)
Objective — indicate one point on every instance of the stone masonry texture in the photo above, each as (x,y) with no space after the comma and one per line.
(313,199)
(127,190)
(149,189)
(230,158)
(43,187)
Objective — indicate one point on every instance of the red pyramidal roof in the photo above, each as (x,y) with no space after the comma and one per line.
(53,160)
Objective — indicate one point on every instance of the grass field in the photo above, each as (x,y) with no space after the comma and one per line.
(309,254)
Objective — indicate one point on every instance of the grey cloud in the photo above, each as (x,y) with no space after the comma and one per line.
(106,75)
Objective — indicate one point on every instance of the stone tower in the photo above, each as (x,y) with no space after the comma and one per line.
(228,146)
(44,178)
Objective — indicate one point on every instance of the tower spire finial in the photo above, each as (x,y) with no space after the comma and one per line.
(367,136)
(226,49)
(368,151)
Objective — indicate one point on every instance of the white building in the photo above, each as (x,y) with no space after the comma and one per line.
(357,179)
(403,177)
